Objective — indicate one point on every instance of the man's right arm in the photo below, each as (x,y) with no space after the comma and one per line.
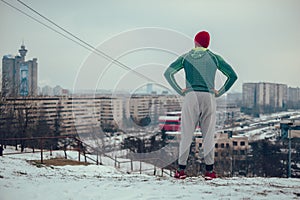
(171,71)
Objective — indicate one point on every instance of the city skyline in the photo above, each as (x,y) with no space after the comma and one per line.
(259,39)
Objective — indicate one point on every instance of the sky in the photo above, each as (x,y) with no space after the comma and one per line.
(259,39)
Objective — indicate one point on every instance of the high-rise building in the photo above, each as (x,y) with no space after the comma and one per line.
(293,98)
(19,77)
(249,95)
(57,90)
(47,91)
(149,88)
(264,97)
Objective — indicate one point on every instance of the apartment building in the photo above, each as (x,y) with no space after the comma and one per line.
(151,106)
(111,113)
(83,114)
(264,97)
(230,153)
(225,145)
(293,98)
(63,115)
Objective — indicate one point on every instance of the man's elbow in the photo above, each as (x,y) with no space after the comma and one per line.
(167,74)
(234,78)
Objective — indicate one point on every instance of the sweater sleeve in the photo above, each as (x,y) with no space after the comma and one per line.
(171,71)
(227,70)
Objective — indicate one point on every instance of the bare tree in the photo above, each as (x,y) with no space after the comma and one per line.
(23,115)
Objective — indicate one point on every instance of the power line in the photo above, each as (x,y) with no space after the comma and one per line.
(89,45)
(81,42)
(42,23)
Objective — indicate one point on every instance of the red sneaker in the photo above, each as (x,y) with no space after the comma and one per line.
(180,174)
(210,175)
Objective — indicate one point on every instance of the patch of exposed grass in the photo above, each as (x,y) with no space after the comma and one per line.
(56,162)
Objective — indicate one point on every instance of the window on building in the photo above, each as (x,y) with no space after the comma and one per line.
(227,146)
(235,143)
(224,154)
(216,145)
(243,152)
(235,152)
(222,145)
(216,154)
(200,145)
(243,143)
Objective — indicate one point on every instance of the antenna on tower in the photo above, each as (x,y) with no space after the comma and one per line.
(23,50)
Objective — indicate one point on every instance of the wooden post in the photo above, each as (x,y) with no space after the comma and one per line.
(100,159)
(1,150)
(78,145)
(140,167)
(16,145)
(84,157)
(51,150)
(41,145)
(65,151)
(289,157)
(97,161)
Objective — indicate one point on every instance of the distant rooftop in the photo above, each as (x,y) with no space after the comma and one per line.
(9,56)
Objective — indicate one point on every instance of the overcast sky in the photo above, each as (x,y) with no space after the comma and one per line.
(259,38)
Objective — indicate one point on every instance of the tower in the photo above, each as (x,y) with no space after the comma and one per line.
(19,77)
(23,52)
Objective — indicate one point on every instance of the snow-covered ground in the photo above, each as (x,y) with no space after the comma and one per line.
(22,180)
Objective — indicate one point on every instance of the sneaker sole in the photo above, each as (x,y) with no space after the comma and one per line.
(180,177)
(207,178)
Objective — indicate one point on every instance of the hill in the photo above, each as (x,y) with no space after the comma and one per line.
(20,179)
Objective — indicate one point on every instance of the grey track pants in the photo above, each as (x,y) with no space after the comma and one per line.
(198,107)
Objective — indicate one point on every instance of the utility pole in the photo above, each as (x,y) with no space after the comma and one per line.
(290,153)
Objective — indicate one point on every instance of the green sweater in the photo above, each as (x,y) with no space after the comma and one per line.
(200,66)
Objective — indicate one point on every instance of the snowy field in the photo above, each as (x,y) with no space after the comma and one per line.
(22,180)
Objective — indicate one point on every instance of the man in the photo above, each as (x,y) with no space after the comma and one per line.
(199,105)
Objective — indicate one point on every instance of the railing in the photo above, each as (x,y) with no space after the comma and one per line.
(81,147)
(142,162)
(40,147)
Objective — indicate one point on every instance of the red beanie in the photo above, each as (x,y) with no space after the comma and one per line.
(202,39)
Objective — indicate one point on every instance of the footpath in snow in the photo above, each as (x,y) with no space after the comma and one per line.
(21,180)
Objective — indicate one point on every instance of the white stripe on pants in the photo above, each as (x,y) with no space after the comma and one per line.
(198,107)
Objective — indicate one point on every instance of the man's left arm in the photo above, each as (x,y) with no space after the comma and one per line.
(227,70)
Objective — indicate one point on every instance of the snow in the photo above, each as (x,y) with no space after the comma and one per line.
(21,180)
(260,134)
